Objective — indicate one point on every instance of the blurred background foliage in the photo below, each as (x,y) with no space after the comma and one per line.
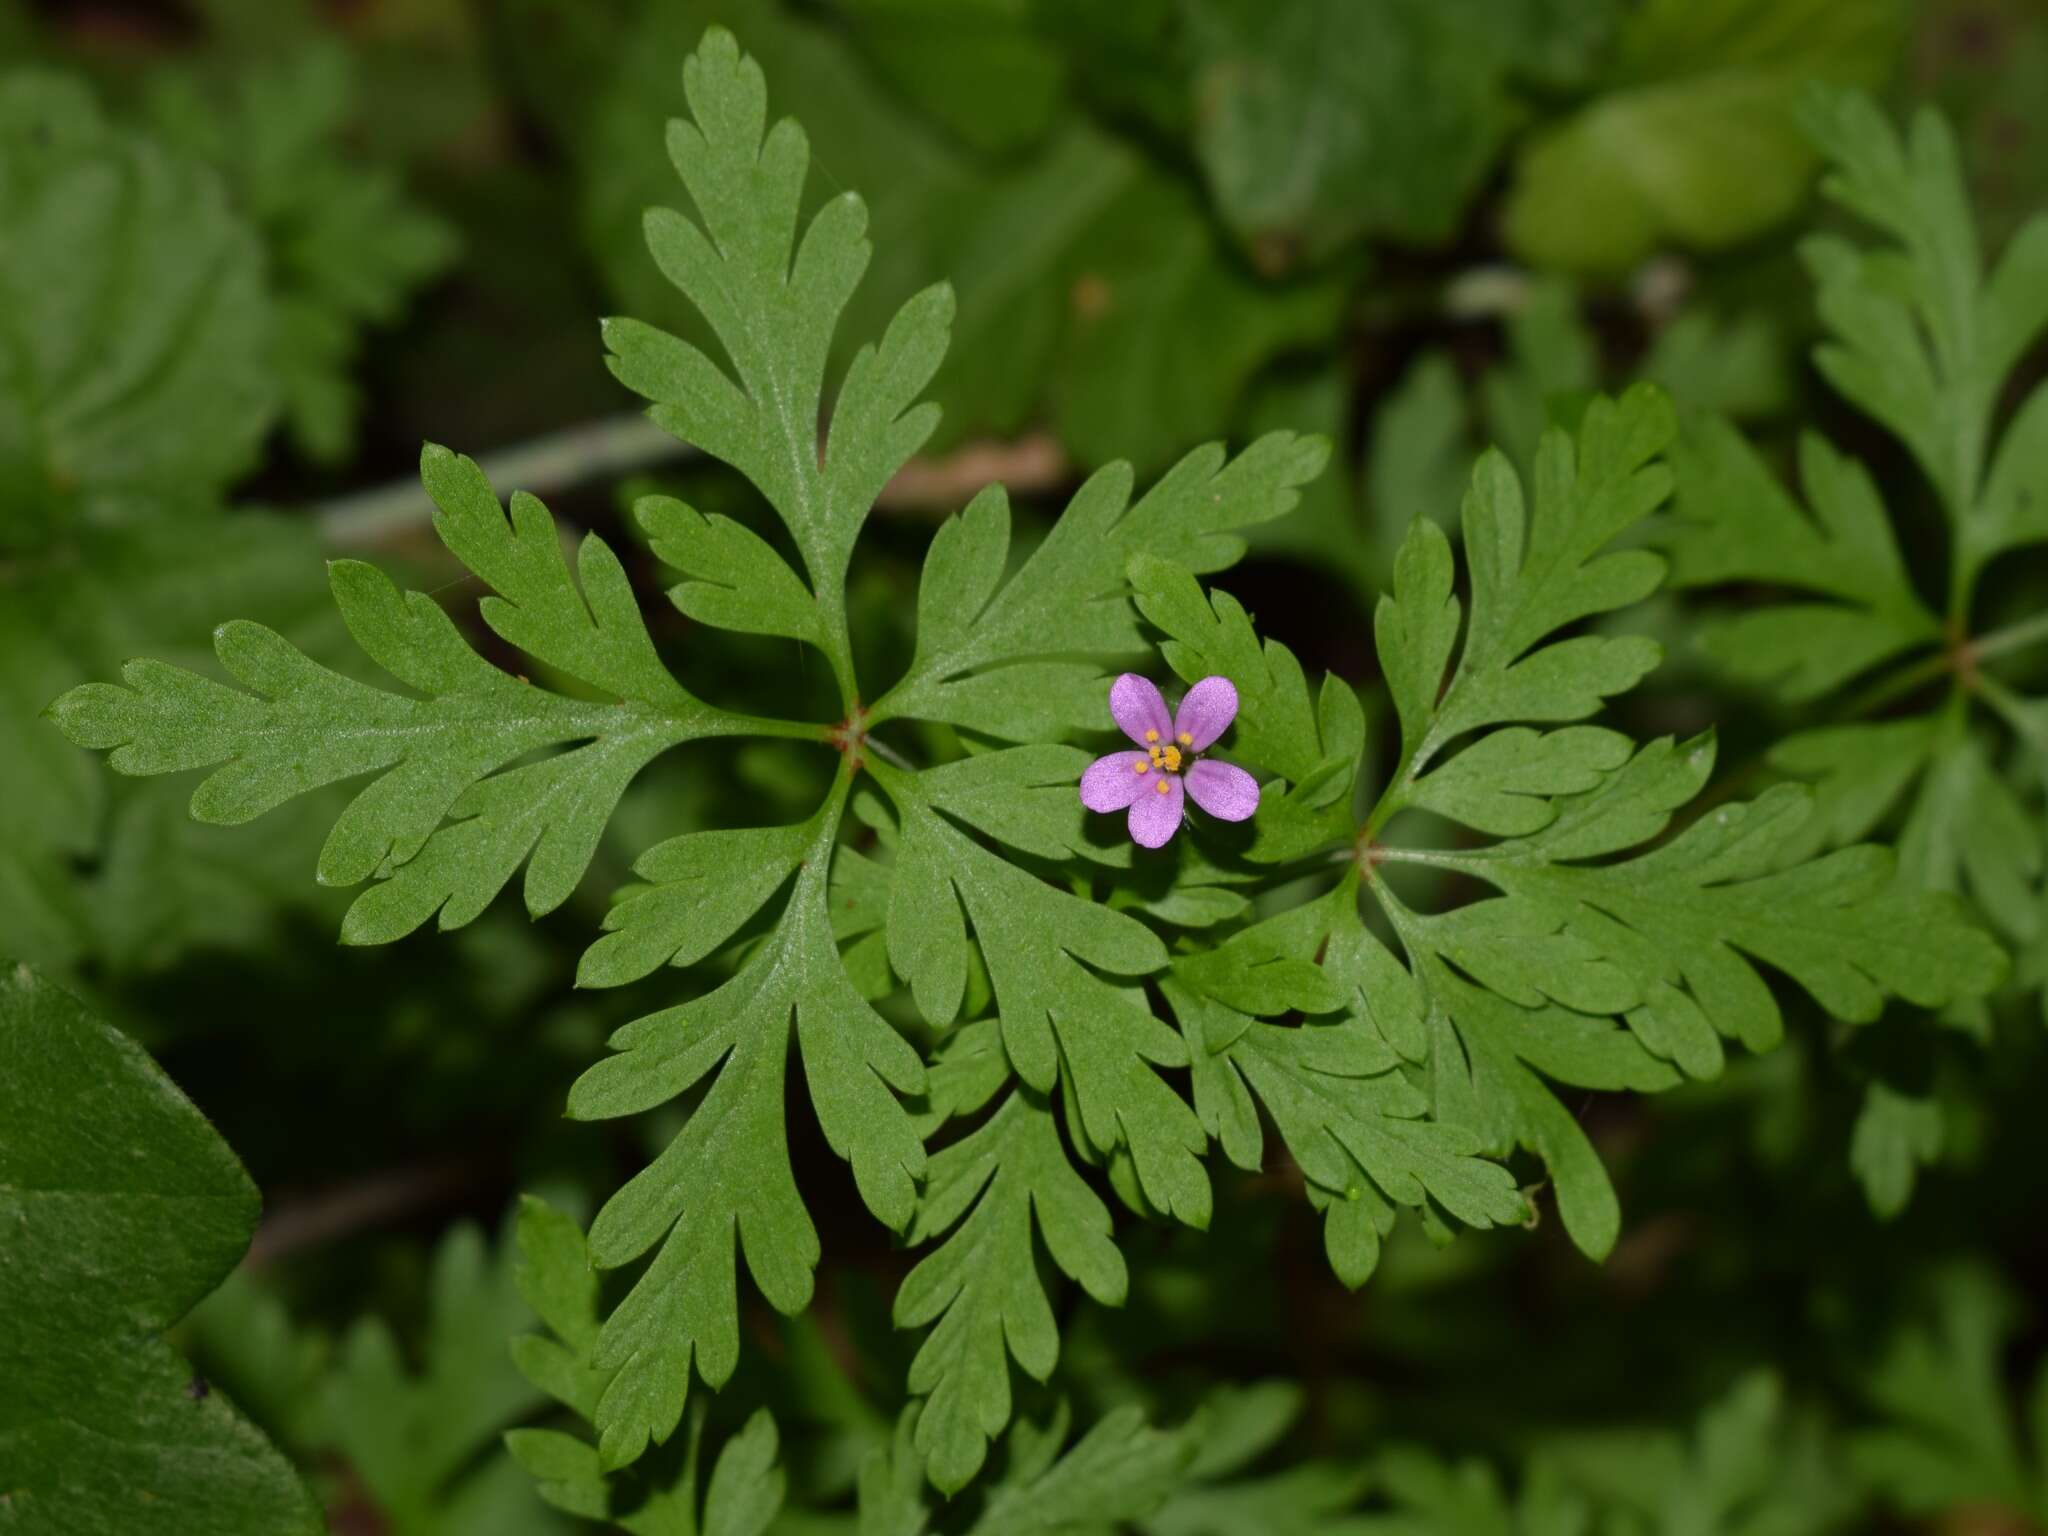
(327,231)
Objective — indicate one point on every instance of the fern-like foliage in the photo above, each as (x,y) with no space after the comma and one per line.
(1755,1463)
(1594,962)
(1943,1432)
(1058,982)
(346,245)
(1927,729)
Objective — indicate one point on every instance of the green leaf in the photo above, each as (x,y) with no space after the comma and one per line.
(136,378)
(2014,510)
(120,1208)
(413,1439)
(1946,1435)
(1920,337)
(250,1344)
(1695,139)
(1168,331)
(558,1282)
(980,1286)
(978,67)
(1322,122)
(1335,1091)
(557,1279)
(1736,524)
(1504,783)
(1418,455)
(1533,571)
(161,886)
(1551,368)
(1923,340)
(1969,831)
(1858,773)
(702,887)
(1740,365)
(449,822)
(347,247)
(1896,1135)
(739,581)
(1120,1471)
(50,795)
(659,1497)
(1588,969)
(772,303)
(725,1180)
(1672,932)
(1753,1464)
(1060,1020)
(1237,1426)
(1465,1498)
(1007,236)
(1001,657)
(1087,282)
(891,1487)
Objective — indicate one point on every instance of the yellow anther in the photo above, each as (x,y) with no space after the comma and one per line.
(1171,760)
(1141,765)
(1160,786)
(1151,735)
(1186,739)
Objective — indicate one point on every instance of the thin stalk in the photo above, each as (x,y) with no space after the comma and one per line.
(546,465)
(2029,720)
(1900,683)
(760,725)
(837,642)
(2013,637)
(890,755)
(1435,857)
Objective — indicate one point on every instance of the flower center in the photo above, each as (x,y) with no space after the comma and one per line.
(1165,757)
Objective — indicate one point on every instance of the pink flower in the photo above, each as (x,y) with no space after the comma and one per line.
(1168,766)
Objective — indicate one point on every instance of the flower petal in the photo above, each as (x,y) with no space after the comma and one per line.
(1136,706)
(1206,712)
(1113,782)
(1155,816)
(1223,789)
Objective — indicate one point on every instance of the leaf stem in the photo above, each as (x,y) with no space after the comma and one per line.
(837,643)
(1436,857)
(1900,683)
(2028,719)
(2013,637)
(890,755)
(729,724)
(1392,799)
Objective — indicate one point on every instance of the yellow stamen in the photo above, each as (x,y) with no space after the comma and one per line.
(1185,739)
(1151,735)
(1141,765)
(1171,761)
(1160,786)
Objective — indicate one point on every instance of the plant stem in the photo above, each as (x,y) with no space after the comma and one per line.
(546,465)
(1437,858)
(761,725)
(1897,685)
(2028,718)
(2012,638)
(890,755)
